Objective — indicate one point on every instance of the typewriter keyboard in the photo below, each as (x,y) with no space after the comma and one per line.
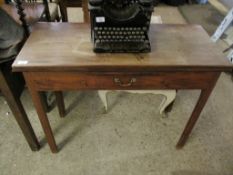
(121,39)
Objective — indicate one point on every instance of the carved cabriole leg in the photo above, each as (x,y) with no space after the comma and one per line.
(205,93)
(169,97)
(103,97)
(19,114)
(38,102)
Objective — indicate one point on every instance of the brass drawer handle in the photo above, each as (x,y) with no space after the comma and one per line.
(130,83)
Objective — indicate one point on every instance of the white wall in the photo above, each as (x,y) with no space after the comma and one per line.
(228,3)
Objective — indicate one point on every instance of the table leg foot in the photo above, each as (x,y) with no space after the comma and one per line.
(194,117)
(205,93)
(43,119)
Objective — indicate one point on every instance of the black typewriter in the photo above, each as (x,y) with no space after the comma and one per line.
(120,25)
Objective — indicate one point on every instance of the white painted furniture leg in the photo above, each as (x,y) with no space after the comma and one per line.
(103,97)
(169,97)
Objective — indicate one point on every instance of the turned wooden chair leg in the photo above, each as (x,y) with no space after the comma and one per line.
(63,10)
(60,103)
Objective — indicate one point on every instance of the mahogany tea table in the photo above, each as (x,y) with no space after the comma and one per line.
(59,57)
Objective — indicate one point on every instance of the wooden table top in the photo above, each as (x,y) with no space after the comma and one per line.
(68,47)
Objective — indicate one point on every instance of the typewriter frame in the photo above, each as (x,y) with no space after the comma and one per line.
(134,18)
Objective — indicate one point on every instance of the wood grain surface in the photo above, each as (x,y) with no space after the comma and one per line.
(57,81)
(67,47)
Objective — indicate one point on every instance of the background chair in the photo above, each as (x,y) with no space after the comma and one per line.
(12,84)
(77,3)
(35,10)
(11,87)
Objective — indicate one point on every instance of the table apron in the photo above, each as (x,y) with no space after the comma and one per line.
(57,81)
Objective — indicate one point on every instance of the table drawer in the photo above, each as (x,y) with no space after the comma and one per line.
(158,80)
